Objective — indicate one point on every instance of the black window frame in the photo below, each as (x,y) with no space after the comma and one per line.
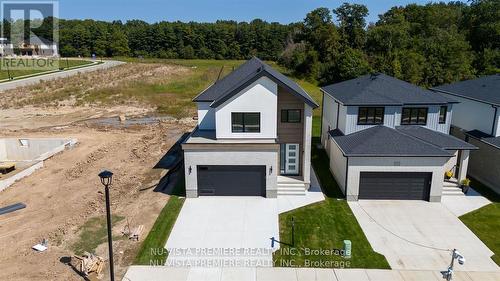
(285,116)
(443,115)
(366,116)
(243,122)
(416,113)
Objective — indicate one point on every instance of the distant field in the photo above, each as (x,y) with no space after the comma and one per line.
(60,63)
(178,91)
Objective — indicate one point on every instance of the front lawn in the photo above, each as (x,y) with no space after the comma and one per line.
(325,225)
(152,251)
(485,222)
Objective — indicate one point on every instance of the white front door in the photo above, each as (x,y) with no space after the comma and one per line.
(292,158)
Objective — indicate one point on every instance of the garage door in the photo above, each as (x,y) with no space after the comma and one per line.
(401,186)
(232,180)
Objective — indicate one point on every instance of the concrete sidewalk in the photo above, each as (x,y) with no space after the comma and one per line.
(148,273)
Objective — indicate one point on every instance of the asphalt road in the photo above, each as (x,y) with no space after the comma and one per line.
(36,79)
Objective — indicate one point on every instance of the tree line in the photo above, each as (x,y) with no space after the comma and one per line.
(423,44)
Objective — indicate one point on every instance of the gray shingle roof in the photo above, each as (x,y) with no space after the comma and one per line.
(381,89)
(486,138)
(385,141)
(243,76)
(484,89)
(441,140)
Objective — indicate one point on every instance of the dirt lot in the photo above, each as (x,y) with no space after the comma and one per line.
(66,193)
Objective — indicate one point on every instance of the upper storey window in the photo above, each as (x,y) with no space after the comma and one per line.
(414,116)
(245,122)
(371,116)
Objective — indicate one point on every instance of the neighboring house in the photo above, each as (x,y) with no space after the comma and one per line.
(388,139)
(253,136)
(37,46)
(477,120)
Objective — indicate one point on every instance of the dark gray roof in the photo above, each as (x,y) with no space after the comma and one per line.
(484,89)
(385,141)
(381,89)
(243,76)
(486,138)
(441,140)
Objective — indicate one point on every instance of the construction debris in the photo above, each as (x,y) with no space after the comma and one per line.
(90,263)
(42,246)
(12,208)
(136,233)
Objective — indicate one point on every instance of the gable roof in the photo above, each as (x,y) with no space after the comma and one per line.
(383,141)
(241,77)
(484,89)
(381,89)
(439,139)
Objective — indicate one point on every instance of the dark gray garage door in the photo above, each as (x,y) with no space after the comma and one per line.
(401,186)
(232,180)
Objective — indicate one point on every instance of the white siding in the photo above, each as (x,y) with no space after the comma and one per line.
(338,164)
(306,159)
(206,116)
(392,118)
(472,115)
(352,119)
(435,165)
(343,118)
(329,118)
(261,96)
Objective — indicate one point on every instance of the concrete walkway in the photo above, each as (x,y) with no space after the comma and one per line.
(461,205)
(147,273)
(313,195)
(37,79)
(425,223)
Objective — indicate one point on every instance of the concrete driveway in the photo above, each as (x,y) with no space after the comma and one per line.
(224,231)
(430,224)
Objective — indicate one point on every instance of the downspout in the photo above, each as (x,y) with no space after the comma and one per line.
(494,120)
(322,112)
(338,112)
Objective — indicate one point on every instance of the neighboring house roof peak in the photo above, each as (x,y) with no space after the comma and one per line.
(484,89)
(243,76)
(381,89)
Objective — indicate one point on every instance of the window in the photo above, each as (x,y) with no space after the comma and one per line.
(290,116)
(245,122)
(370,115)
(414,116)
(442,114)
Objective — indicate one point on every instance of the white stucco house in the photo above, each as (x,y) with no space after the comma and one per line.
(477,121)
(253,136)
(389,139)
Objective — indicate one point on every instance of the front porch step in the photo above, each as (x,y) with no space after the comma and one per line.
(452,191)
(291,189)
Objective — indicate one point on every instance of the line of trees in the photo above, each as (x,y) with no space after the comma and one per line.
(424,44)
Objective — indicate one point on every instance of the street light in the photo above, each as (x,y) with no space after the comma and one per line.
(106,179)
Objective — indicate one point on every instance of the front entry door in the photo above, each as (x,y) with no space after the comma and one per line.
(292,158)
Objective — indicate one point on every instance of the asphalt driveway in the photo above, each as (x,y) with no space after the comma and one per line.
(224,231)
(429,224)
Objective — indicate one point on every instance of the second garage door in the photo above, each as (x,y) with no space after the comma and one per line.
(232,180)
(400,186)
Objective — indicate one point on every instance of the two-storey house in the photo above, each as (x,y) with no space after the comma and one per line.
(253,136)
(389,139)
(477,121)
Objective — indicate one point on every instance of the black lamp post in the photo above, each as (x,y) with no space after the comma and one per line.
(106,178)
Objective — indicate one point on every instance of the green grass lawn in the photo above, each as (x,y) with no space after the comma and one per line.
(325,225)
(152,251)
(59,63)
(485,222)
